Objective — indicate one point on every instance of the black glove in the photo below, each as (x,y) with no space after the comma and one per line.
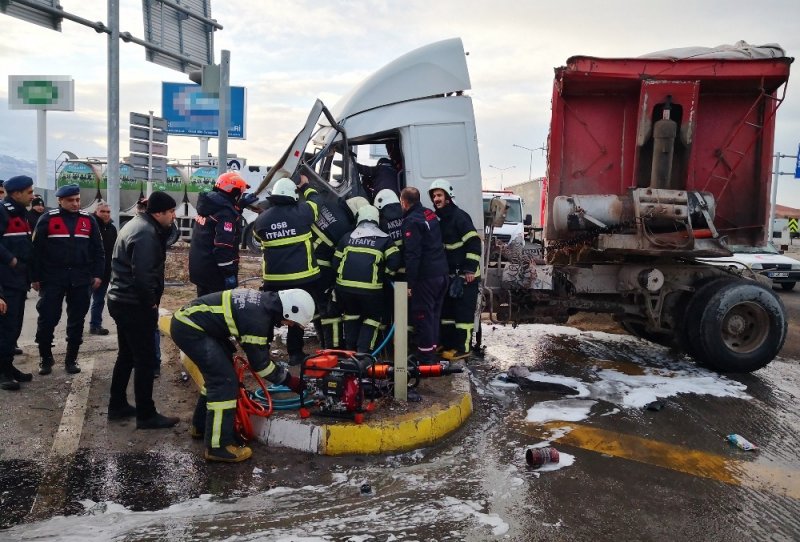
(247,199)
(294,383)
(456,289)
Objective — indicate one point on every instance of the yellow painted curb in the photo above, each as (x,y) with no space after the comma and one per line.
(405,432)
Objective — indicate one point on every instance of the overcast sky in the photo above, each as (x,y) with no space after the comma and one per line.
(287,53)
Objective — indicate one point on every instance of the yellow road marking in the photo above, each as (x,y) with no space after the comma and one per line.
(753,474)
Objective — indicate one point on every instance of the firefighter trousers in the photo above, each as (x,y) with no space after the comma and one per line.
(458,319)
(361,319)
(213,357)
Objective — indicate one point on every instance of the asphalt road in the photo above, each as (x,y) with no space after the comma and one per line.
(626,472)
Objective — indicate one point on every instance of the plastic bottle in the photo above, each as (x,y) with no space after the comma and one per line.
(741,442)
(536,457)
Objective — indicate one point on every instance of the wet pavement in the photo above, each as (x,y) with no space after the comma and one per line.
(625,472)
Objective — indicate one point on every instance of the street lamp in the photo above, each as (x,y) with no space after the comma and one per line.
(530,166)
(501,170)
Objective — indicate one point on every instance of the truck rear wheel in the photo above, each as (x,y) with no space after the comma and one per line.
(250,241)
(735,325)
(638,329)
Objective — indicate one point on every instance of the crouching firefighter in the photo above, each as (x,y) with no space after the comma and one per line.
(202,330)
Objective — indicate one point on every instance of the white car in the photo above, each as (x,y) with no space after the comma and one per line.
(766,260)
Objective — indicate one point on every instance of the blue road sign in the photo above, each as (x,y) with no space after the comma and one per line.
(189,111)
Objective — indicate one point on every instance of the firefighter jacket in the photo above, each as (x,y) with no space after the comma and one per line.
(333,221)
(249,316)
(392,223)
(377,178)
(422,244)
(67,248)
(216,235)
(109,234)
(284,231)
(137,265)
(462,244)
(364,259)
(15,242)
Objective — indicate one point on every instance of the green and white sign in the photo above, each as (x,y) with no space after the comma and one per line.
(53,92)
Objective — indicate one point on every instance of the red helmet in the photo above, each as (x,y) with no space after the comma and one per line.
(228,182)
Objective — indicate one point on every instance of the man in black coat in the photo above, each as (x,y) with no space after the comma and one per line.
(216,236)
(137,283)
(37,209)
(426,271)
(15,254)
(68,262)
(102,213)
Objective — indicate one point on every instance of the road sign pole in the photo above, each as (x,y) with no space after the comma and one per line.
(112,183)
(224,106)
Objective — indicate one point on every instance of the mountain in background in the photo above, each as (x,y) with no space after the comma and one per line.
(10,166)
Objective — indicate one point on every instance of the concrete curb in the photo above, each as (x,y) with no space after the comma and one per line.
(405,432)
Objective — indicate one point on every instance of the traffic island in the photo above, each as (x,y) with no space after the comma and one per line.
(391,427)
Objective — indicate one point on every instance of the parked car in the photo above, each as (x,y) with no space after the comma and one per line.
(766,260)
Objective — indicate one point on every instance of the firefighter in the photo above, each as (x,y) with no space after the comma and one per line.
(463,250)
(335,219)
(364,259)
(202,329)
(284,231)
(216,235)
(426,271)
(15,256)
(68,261)
(383,176)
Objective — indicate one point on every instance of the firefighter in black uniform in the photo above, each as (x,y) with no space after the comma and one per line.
(284,231)
(364,259)
(426,271)
(391,214)
(382,176)
(202,329)
(334,220)
(216,235)
(15,256)
(68,261)
(462,246)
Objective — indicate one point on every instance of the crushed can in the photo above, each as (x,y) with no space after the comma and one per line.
(741,442)
(536,457)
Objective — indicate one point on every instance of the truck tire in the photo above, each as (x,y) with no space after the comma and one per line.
(174,235)
(250,240)
(787,286)
(637,329)
(737,325)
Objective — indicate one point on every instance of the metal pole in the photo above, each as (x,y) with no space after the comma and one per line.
(401,341)
(224,107)
(203,150)
(776,172)
(150,157)
(41,151)
(112,170)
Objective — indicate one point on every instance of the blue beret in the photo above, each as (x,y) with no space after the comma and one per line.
(15,184)
(68,190)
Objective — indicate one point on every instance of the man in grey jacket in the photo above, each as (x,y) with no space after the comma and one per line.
(137,282)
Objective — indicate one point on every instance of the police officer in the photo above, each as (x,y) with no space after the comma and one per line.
(216,235)
(334,220)
(284,231)
(426,271)
(15,255)
(68,262)
(202,329)
(463,250)
(364,259)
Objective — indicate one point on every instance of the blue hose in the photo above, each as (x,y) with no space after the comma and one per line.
(280,404)
(385,342)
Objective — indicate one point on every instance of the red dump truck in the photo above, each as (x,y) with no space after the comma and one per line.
(654,163)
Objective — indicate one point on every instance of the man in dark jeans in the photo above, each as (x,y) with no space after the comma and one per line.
(102,213)
(137,283)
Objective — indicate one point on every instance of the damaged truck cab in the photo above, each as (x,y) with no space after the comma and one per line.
(653,163)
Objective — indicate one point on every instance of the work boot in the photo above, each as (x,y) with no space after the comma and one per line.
(100,330)
(229,454)
(7,382)
(19,376)
(157,421)
(195,432)
(453,355)
(122,413)
(71,361)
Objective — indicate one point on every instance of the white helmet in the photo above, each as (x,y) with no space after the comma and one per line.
(356,203)
(386,197)
(441,184)
(368,213)
(285,187)
(298,305)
